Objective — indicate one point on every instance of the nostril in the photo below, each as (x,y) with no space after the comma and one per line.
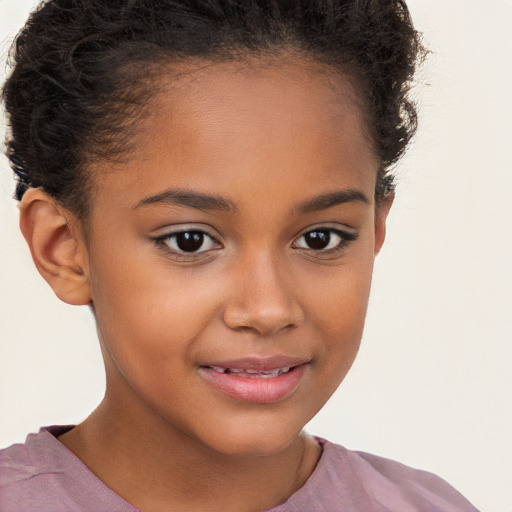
(265,311)
(245,329)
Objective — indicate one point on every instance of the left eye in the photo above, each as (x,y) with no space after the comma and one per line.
(192,241)
(324,239)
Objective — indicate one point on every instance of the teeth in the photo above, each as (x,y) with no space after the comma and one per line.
(218,369)
(270,372)
(249,372)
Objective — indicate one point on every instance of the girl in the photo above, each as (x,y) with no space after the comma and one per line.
(213,179)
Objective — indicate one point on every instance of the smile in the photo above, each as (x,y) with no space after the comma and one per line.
(251,373)
(256,380)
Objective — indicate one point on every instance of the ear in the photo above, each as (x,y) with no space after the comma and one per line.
(57,245)
(381,214)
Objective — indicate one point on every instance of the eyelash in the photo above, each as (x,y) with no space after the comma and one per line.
(345,238)
(164,241)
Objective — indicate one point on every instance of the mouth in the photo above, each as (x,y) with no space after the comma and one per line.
(257,380)
(249,373)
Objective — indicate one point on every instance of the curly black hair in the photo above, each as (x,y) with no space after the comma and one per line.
(81,68)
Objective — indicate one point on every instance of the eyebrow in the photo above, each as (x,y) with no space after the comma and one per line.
(189,199)
(331,199)
(201,201)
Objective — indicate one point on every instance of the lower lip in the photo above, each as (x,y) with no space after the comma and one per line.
(256,389)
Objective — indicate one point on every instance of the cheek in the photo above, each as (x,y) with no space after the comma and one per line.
(340,308)
(146,308)
(341,296)
(147,324)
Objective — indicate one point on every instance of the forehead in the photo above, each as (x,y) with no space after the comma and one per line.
(214,126)
(280,96)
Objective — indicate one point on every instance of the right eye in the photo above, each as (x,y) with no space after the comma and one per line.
(190,241)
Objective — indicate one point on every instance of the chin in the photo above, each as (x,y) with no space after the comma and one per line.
(266,437)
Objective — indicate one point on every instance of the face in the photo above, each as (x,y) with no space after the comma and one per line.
(230,258)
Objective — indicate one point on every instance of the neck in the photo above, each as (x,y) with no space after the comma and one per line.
(155,466)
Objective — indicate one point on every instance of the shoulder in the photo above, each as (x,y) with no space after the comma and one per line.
(386,484)
(26,469)
(24,461)
(352,480)
(42,474)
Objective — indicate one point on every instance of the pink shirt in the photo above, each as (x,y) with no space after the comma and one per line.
(42,475)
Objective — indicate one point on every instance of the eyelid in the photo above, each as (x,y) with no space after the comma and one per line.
(170,230)
(342,230)
(346,234)
(169,233)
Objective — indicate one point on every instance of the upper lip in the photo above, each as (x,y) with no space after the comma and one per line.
(259,363)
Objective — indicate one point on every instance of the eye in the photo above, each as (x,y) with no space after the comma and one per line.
(325,240)
(191,241)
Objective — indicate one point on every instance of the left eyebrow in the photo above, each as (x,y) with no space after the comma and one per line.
(331,199)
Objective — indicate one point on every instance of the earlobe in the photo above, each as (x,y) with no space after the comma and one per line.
(57,246)
(381,215)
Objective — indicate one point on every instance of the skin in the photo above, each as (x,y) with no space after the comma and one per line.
(267,139)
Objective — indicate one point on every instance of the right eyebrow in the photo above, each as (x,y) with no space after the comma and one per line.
(190,199)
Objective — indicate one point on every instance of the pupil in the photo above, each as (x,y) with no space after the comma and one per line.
(318,239)
(189,241)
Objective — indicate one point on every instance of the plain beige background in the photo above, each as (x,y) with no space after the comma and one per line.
(432,386)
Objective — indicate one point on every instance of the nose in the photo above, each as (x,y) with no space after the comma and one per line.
(262,300)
